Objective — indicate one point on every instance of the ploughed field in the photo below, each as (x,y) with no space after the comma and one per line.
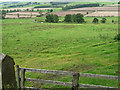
(103,14)
(64,13)
(87,11)
(99,11)
(22,14)
(96,8)
(86,48)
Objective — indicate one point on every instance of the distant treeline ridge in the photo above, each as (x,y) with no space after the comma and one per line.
(80,6)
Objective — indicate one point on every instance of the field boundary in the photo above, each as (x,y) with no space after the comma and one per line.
(75,81)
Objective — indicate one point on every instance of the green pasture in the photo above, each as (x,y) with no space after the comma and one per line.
(86,48)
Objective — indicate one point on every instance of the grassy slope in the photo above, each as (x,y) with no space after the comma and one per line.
(72,3)
(62,46)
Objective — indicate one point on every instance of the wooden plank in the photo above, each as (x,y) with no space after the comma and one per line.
(18,75)
(32,88)
(71,73)
(98,76)
(22,78)
(65,83)
(48,71)
(95,86)
(75,81)
(48,82)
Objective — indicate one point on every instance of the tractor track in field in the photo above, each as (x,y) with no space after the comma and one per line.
(103,43)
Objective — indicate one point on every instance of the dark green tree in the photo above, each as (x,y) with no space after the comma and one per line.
(68,18)
(79,18)
(52,18)
(73,18)
(119,2)
(112,21)
(117,37)
(51,10)
(103,20)
(102,5)
(3,14)
(37,9)
(7,11)
(95,20)
(14,10)
(56,18)
(48,18)
(32,9)
(18,15)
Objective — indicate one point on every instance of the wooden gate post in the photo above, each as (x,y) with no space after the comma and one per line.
(7,72)
(18,76)
(22,78)
(75,81)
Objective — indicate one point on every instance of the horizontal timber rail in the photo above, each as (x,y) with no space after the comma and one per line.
(71,73)
(48,71)
(75,81)
(63,83)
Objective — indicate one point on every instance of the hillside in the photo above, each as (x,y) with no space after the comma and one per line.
(85,47)
(62,46)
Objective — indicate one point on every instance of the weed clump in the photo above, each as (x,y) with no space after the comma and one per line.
(117,37)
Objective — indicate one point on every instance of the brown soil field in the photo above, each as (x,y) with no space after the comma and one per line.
(11,16)
(114,5)
(23,13)
(63,13)
(96,9)
(15,16)
(103,14)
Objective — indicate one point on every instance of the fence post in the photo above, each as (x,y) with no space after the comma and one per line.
(7,72)
(18,75)
(75,81)
(22,78)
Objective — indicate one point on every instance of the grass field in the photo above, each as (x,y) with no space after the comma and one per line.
(87,47)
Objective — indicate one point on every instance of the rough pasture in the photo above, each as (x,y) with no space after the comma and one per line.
(96,9)
(103,14)
(87,47)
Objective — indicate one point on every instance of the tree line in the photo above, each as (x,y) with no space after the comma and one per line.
(80,6)
(78,18)
(22,5)
(75,18)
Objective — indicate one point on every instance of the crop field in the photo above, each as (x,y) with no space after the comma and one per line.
(26,14)
(114,5)
(63,13)
(87,48)
(103,14)
(30,8)
(97,9)
(22,14)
